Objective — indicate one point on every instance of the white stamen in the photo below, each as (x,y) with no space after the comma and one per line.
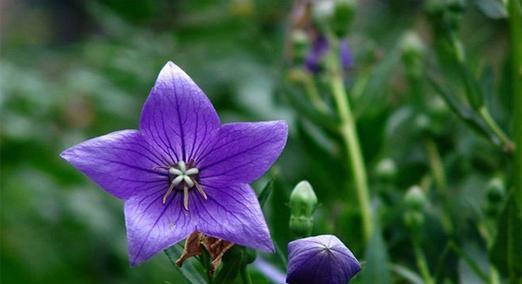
(171,187)
(201,191)
(180,175)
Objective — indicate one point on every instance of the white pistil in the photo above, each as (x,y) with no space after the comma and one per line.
(192,171)
(182,166)
(185,197)
(188,181)
(174,171)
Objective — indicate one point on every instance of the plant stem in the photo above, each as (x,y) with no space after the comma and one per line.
(471,263)
(474,93)
(490,122)
(437,171)
(437,168)
(493,275)
(245,276)
(515,22)
(421,263)
(348,132)
(313,93)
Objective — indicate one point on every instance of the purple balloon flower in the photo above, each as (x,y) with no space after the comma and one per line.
(183,171)
(320,47)
(320,260)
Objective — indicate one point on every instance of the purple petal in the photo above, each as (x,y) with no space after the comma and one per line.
(242,152)
(233,213)
(121,162)
(346,55)
(177,118)
(320,260)
(153,226)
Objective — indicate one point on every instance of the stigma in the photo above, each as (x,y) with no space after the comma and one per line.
(183,178)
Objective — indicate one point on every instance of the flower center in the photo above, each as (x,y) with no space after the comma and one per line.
(183,178)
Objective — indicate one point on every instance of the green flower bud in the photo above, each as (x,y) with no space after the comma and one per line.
(496,190)
(250,255)
(300,45)
(233,254)
(491,210)
(415,198)
(322,13)
(422,123)
(438,107)
(301,225)
(412,48)
(414,219)
(302,205)
(303,200)
(446,14)
(342,16)
(386,169)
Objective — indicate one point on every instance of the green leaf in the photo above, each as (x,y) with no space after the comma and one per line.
(506,252)
(265,193)
(367,99)
(297,99)
(191,270)
(406,273)
(376,269)
(494,9)
(463,112)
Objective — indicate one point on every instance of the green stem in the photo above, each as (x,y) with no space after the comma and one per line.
(515,23)
(313,93)
(437,170)
(348,132)
(421,263)
(490,122)
(474,93)
(245,276)
(494,278)
(471,263)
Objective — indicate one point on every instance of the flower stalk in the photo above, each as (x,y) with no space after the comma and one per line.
(474,94)
(348,133)
(422,264)
(245,276)
(515,22)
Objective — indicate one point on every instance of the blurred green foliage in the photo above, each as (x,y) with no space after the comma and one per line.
(72,70)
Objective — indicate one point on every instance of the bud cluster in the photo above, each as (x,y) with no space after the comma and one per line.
(415,202)
(445,14)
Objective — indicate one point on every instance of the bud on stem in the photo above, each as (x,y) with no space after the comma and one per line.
(302,206)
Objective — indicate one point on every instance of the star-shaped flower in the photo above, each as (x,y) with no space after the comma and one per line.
(183,171)
(320,260)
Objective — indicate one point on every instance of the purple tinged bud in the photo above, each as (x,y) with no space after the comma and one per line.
(314,59)
(346,55)
(320,47)
(320,260)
